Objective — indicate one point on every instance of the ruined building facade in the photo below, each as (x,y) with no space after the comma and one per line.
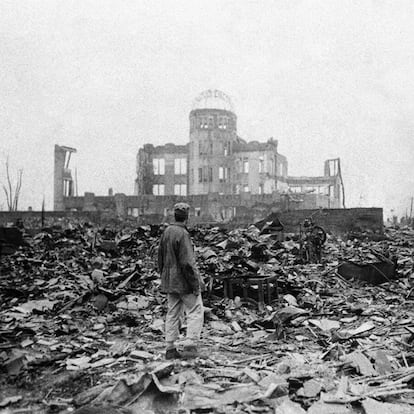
(222,176)
(217,160)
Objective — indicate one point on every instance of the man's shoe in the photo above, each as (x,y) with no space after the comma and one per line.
(190,352)
(172,354)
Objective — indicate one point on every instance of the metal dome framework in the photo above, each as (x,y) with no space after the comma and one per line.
(213,99)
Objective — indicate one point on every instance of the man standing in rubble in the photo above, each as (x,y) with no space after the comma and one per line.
(180,280)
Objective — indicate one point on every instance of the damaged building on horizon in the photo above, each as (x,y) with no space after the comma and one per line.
(221,175)
(217,160)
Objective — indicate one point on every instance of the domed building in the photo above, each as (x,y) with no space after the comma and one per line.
(216,159)
(213,133)
(221,175)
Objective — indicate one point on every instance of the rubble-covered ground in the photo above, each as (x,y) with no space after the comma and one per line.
(81,327)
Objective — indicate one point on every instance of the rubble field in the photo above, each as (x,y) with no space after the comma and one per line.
(82,319)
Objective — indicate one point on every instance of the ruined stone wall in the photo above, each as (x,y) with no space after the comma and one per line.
(208,204)
(312,201)
(238,208)
(147,178)
(334,221)
(338,220)
(32,219)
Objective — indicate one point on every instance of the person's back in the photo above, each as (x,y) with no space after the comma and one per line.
(180,280)
(176,261)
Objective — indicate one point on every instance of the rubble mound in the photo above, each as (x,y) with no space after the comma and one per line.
(81,324)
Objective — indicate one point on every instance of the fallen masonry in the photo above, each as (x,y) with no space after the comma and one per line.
(81,325)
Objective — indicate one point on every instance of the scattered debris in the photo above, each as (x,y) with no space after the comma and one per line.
(82,326)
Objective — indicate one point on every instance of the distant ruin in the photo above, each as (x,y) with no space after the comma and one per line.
(220,174)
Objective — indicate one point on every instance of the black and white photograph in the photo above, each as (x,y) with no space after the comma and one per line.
(206,206)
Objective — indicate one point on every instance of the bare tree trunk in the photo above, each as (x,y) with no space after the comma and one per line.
(8,190)
(7,196)
(17,190)
(12,198)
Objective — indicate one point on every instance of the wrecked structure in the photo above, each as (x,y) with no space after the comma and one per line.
(221,175)
(63,184)
(217,160)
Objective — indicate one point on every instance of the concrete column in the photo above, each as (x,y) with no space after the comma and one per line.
(58,179)
(121,205)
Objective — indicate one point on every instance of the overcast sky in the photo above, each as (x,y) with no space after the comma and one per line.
(325,78)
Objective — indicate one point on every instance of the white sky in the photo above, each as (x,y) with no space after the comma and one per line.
(325,78)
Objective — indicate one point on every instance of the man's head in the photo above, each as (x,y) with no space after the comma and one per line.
(181,211)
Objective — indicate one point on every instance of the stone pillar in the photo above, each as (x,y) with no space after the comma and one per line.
(62,177)
(121,205)
(89,202)
(58,179)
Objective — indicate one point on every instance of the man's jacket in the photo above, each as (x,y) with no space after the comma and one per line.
(176,261)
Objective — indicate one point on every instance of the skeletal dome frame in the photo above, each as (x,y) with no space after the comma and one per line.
(213,99)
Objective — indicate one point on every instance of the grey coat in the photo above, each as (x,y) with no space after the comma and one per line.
(176,261)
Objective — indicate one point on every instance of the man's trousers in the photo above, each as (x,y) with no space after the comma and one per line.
(193,307)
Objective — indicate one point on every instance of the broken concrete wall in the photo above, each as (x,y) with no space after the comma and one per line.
(147,178)
(236,208)
(211,204)
(90,202)
(33,218)
(336,221)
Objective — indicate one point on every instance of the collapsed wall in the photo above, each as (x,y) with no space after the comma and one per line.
(335,221)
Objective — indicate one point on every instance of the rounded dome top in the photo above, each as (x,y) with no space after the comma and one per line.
(213,99)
